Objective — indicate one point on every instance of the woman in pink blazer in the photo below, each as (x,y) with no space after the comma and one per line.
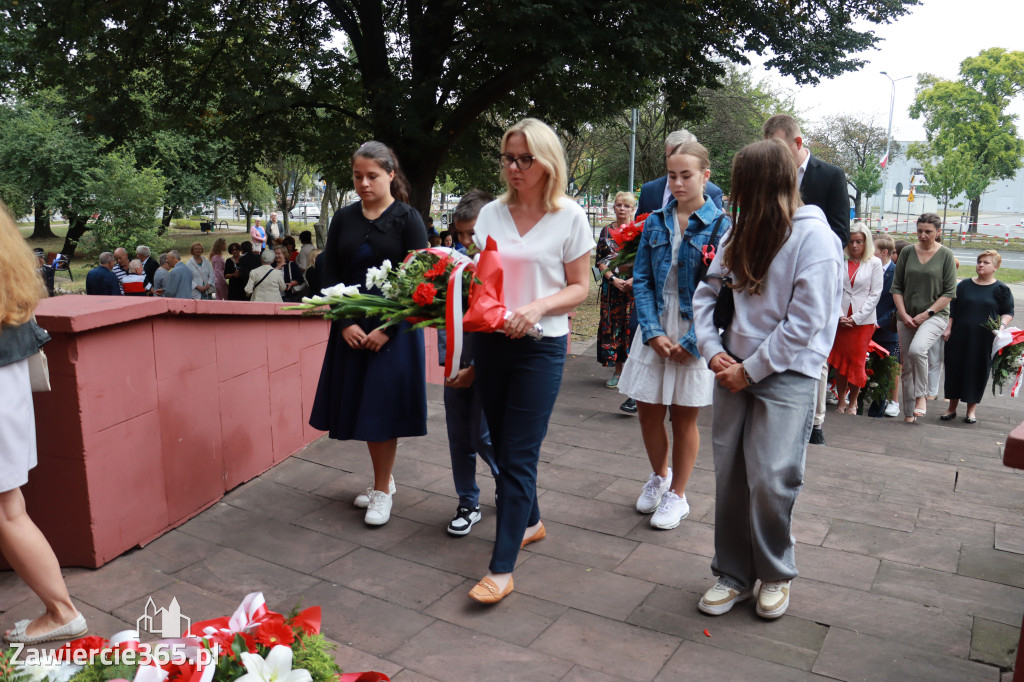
(862,287)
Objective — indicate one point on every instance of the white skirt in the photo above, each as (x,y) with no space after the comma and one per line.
(17,426)
(649,378)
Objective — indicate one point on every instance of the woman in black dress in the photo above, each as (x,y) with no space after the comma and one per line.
(968,339)
(372,385)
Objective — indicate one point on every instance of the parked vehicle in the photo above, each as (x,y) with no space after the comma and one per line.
(308,209)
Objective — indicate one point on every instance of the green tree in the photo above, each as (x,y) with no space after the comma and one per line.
(946,177)
(128,199)
(46,162)
(419,75)
(252,189)
(856,144)
(967,121)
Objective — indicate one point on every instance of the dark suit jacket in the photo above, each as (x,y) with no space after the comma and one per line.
(651,194)
(885,307)
(102,282)
(149,268)
(824,186)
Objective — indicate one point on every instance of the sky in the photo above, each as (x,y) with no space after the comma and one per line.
(934,37)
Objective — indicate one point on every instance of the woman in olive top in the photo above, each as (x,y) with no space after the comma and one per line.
(923,286)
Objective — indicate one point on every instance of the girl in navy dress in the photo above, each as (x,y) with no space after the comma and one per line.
(372,385)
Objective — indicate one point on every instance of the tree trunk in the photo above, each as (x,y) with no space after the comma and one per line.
(975,203)
(165,221)
(41,225)
(77,227)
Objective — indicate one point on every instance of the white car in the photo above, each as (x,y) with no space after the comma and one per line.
(309,209)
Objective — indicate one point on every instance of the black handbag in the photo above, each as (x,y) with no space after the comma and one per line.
(725,305)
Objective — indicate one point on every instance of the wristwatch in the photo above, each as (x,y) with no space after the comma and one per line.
(747,376)
(931,312)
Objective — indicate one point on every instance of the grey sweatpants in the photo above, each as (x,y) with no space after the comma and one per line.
(759,440)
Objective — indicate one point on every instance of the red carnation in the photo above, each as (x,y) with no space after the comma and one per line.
(424,294)
(273,632)
(439,268)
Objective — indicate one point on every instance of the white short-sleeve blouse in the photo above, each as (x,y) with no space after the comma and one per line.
(534,264)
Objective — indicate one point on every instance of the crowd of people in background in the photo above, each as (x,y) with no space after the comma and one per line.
(246,271)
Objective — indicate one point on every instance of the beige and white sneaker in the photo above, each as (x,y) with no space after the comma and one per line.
(379,510)
(773,598)
(363,499)
(721,598)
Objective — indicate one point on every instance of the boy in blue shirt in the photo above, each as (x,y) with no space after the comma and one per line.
(468,435)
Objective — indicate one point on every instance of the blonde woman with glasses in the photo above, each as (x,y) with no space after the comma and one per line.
(545,241)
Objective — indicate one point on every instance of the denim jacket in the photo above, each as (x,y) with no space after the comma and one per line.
(653,262)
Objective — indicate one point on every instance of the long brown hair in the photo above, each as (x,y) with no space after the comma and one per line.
(20,284)
(764,198)
(383,156)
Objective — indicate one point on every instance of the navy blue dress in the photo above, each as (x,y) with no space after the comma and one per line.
(366,395)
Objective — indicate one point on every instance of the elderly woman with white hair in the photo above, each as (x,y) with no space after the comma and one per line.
(862,287)
(266,282)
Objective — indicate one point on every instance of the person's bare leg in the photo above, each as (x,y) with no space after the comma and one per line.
(685,443)
(25,548)
(383,455)
(655,435)
(955,403)
(971,407)
(841,386)
(851,406)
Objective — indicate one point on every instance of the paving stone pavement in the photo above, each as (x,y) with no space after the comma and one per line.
(910,549)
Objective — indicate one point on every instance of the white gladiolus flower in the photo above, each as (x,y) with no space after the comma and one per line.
(340,290)
(386,289)
(373,277)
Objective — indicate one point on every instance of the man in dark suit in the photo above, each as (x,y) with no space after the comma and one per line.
(822,185)
(884,336)
(655,194)
(149,265)
(101,280)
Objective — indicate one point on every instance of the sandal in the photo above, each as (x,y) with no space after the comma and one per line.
(76,627)
(970,420)
(920,413)
(948,417)
(613,382)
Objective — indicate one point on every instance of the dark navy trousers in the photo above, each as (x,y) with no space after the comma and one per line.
(519,382)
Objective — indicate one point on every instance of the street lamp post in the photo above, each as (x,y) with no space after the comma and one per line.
(888,139)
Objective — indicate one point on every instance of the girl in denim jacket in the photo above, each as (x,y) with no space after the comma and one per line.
(664,369)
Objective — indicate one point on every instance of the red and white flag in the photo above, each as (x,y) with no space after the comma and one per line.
(884,162)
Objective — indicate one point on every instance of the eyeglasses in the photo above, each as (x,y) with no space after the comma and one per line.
(522,162)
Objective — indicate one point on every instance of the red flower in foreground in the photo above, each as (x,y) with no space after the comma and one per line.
(438,270)
(273,632)
(90,645)
(424,294)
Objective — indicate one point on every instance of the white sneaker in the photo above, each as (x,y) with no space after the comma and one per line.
(652,492)
(721,598)
(671,511)
(773,598)
(363,499)
(892,408)
(379,510)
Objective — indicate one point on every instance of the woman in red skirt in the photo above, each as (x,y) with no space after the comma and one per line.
(861,288)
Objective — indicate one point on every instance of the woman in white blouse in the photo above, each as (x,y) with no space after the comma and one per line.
(862,287)
(544,240)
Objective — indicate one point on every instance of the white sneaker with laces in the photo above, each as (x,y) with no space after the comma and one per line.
(652,492)
(773,598)
(379,510)
(721,598)
(363,499)
(892,408)
(671,511)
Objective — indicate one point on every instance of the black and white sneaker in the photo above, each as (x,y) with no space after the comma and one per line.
(463,520)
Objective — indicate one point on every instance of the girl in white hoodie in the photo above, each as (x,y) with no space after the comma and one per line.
(782,264)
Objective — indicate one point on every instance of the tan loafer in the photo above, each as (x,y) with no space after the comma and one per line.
(486,591)
(539,535)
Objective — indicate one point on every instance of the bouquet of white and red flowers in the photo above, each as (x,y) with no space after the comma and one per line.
(435,287)
(627,238)
(255,644)
(1007,358)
